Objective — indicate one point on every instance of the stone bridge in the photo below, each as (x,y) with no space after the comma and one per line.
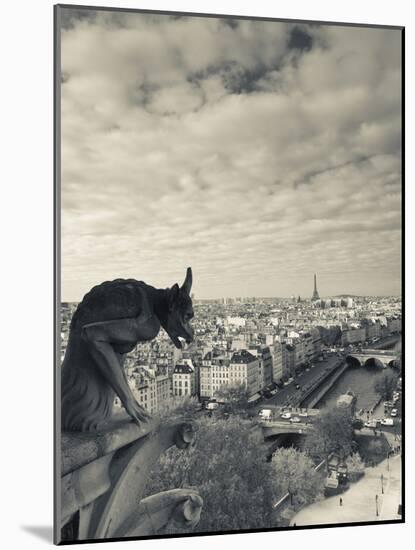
(386,357)
(273,428)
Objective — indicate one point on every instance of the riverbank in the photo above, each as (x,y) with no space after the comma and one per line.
(363,501)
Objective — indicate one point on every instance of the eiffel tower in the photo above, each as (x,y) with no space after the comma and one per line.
(315,293)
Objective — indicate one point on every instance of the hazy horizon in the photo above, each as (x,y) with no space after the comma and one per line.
(258,153)
(279,297)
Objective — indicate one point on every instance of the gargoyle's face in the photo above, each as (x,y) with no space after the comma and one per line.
(180,312)
(179,317)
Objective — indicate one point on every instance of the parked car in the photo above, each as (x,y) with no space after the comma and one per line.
(297,387)
(212,406)
(303,414)
(387,422)
(286,415)
(394,412)
(295,419)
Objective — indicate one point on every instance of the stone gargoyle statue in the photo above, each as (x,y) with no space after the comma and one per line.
(175,508)
(107,324)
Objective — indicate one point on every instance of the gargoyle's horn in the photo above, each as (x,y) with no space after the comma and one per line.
(187,285)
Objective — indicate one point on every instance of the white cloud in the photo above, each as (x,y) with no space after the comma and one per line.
(189,142)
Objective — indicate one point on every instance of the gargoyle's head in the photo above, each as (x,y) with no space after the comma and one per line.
(180,312)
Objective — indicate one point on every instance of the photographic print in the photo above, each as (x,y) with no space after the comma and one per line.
(229,352)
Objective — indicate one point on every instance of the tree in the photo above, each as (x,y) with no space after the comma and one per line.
(229,469)
(235,397)
(355,466)
(357,424)
(377,449)
(295,474)
(330,336)
(385,385)
(332,433)
(179,406)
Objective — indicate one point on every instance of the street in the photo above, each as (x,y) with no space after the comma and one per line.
(305,379)
(375,497)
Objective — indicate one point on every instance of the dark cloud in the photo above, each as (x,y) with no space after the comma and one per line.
(230,22)
(70,17)
(300,39)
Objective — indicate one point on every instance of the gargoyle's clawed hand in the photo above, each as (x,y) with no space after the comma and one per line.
(136,411)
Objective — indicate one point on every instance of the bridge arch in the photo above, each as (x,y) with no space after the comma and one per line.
(374,363)
(286,440)
(371,359)
(353,361)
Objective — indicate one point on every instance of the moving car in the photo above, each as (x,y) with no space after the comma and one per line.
(394,412)
(286,415)
(297,386)
(295,419)
(212,406)
(303,414)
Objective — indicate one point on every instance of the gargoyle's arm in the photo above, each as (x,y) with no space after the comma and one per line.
(101,338)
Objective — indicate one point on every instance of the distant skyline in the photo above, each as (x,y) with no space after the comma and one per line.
(258,153)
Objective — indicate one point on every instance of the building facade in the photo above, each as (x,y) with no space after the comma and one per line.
(277,362)
(183,380)
(240,368)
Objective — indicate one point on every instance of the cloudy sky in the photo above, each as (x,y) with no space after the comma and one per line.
(256,152)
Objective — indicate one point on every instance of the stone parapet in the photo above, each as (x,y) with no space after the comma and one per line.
(104,474)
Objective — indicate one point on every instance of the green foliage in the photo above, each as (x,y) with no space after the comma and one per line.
(372,449)
(399,358)
(357,424)
(355,466)
(330,336)
(386,384)
(179,406)
(235,397)
(377,449)
(228,468)
(294,473)
(332,433)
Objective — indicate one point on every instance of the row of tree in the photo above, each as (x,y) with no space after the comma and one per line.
(386,385)
(228,467)
(239,486)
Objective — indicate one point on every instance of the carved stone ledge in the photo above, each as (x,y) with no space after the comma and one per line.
(178,507)
(80,448)
(104,476)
